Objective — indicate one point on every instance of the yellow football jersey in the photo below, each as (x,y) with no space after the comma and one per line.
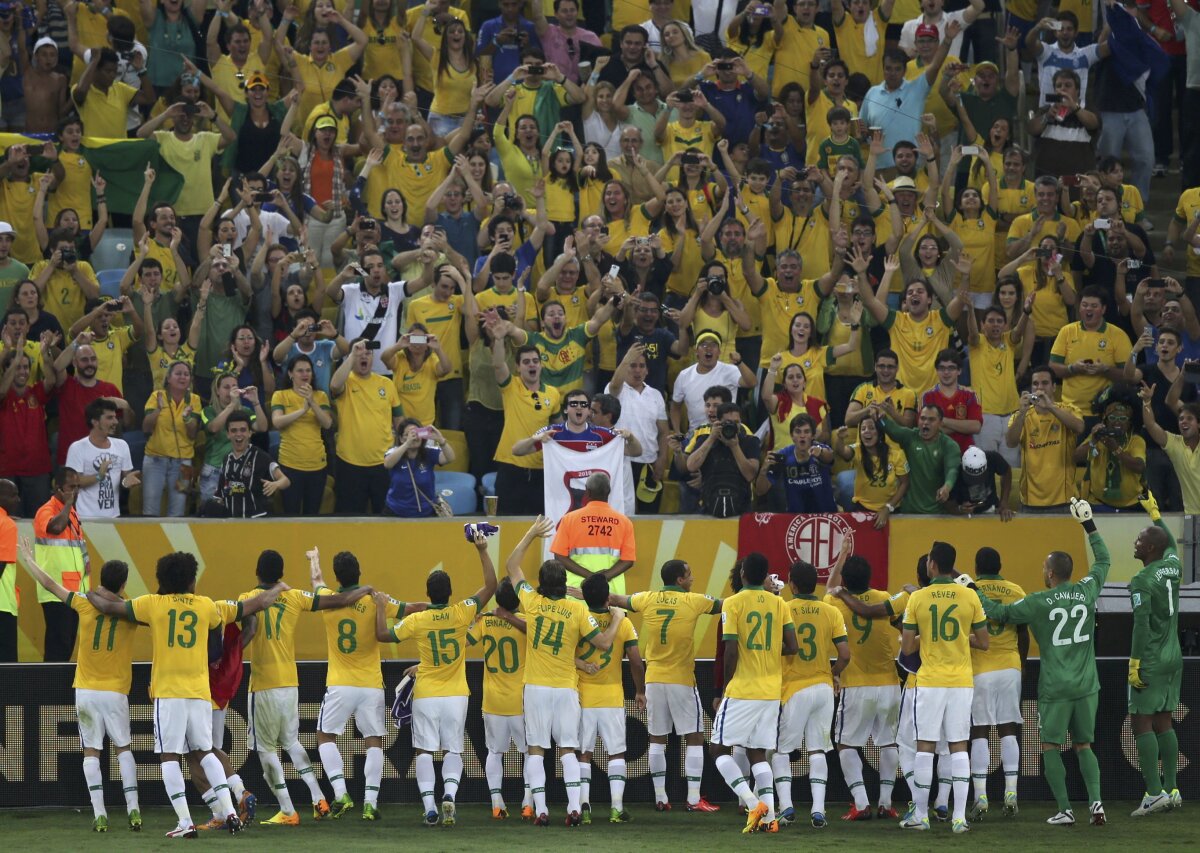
(503,664)
(179,626)
(669,617)
(273,647)
(350,642)
(944,614)
(819,628)
(440,633)
(605,688)
(756,620)
(105,648)
(1002,651)
(555,627)
(874,643)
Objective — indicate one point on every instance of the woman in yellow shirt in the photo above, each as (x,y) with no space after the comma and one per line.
(703,194)
(385,31)
(712,308)
(321,69)
(803,350)
(680,54)
(300,412)
(975,224)
(880,470)
(791,400)
(751,33)
(624,219)
(593,175)
(418,372)
(171,422)
(681,240)
(561,166)
(165,345)
(1053,291)
(456,74)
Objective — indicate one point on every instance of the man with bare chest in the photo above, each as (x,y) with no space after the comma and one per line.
(45,89)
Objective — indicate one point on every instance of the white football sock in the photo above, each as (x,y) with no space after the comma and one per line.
(616,782)
(129,779)
(764,787)
(979,765)
(303,765)
(736,780)
(922,782)
(585,783)
(426,780)
(215,773)
(818,776)
(372,774)
(536,767)
(273,773)
(743,760)
(889,757)
(452,769)
(95,783)
(493,768)
(236,786)
(570,773)
(781,769)
(658,771)
(852,772)
(172,777)
(1010,760)
(960,769)
(209,798)
(944,781)
(693,767)
(527,797)
(331,761)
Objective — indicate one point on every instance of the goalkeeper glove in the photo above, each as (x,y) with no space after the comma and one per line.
(1081,511)
(1150,505)
(1135,677)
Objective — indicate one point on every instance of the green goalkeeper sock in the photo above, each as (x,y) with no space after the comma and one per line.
(1089,768)
(1147,747)
(1056,777)
(1168,751)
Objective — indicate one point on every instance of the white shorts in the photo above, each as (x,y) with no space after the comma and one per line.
(551,714)
(749,723)
(997,698)
(218,728)
(906,732)
(672,706)
(868,712)
(102,712)
(806,719)
(182,725)
(942,713)
(438,723)
(499,731)
(273,721)
(608,723)
(342,702)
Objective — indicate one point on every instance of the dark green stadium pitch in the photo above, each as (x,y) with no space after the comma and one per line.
(61,829)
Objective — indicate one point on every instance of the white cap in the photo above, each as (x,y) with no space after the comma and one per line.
(5,228)
(44,41)
(974,460)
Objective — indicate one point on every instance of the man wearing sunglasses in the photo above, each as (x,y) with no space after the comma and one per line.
(529,403)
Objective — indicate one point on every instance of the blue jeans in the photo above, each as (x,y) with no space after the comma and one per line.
(1132,131)
(210,478)
(444,125)
(843,488)
(159,474)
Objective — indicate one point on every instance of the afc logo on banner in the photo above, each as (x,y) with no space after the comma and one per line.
(817,539)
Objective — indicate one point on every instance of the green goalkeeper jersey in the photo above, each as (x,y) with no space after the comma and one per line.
(1063,621)
(1154,594)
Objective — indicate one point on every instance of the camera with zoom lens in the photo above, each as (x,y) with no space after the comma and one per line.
(716,285)
(69,256)
(1110,432)
(730,429)
(512,201)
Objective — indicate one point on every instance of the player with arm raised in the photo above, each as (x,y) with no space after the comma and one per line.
(758,631)
(440,698)
(502,635)
(273,722)
(179,623)
(557,625)
(808,680)
(104,652)
(1155,661)
(669,617)
(942,622)
(1063,621)
(602,699)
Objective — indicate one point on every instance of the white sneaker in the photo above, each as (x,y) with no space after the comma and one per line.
(1176,799)
(1149,805)
(1098,818)
(1063,818)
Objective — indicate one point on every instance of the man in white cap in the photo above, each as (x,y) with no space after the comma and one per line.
(975,491)
(46,90)
(12,271)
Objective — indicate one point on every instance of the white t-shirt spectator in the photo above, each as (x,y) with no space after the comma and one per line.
(640,413)
(1054,59)
(908,33)
(358,312)
(274,225)
(102,498)
(690,386)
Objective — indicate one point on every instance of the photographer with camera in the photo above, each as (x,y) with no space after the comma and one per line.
(110,339)
(1115,458)
(1045,432)
(63,279)
(1111,252)
(1160,303)
(371,306)
(725,454)
(737,92)
(712,308)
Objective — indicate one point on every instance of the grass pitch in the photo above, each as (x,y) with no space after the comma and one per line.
(65,829)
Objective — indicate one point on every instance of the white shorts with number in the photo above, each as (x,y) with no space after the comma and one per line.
(274,719)
(868,712)
(806,719)
(499,731)
(608,723)
(438,723)
(749,723)
(182,725)
(942,713)
(551,714)
(218,728)
(997,698)
(672,706)
(102,712)
(341,703)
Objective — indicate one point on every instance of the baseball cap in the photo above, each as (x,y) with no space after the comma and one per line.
(927,31)
(257,78)
(904,183)
(44,41)
(709,335)
(326,122)
(647,487)
(974,460)
(990,65)
(5,228)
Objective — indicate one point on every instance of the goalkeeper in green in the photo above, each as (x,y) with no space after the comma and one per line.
(1155,661)
(1062,619)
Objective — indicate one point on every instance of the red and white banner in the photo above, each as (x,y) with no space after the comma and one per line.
(785,538)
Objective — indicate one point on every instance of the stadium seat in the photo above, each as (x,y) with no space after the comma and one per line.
(457,439)
(462,497)
(489,483)
(110,282)
(114,250)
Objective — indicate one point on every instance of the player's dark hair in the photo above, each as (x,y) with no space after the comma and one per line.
(944,555)
(552,579)
(113,575)
(437,587)
(856,574)
(270,567)
(176,572)
(923,570)
(755,569)
(345,568)
(735,577)
(1061,564)
(987,561)
(673,571)
(507,597)
(595,591)
(803,577)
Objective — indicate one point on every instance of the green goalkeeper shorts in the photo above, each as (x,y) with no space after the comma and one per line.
(1160,694)
(1078,716)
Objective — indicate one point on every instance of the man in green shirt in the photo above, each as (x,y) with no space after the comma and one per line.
(933,459)
(1063,621)
(563,349)
(1155,661)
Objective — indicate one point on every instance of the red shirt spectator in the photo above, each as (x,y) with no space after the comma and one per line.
(962,405)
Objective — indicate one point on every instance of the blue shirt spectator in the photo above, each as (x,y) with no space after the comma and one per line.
(737,93)
(503,38)
(807,484)
(896,105)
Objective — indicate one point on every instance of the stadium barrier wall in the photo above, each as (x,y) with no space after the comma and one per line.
(40,759)
(397,555)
